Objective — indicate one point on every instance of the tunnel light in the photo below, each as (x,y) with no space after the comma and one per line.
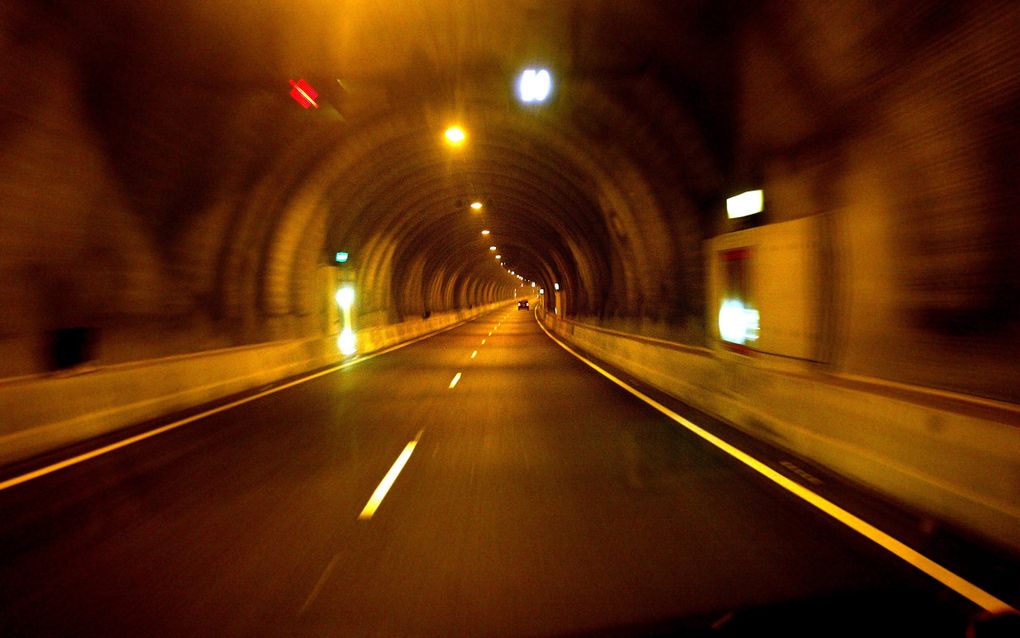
(347,342)
(556,286)
(476,206)
(533,284)
(541,291)
(492,248)
(455,136)
(534,85)
(498,257)
(745,204)
(485,232)
(345,297)
(737,323)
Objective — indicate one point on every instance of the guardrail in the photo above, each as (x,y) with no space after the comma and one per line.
(954,461)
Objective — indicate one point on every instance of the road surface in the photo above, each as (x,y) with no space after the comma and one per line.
(530,497)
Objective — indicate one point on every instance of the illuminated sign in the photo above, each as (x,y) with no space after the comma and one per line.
(342,256)
(745,204)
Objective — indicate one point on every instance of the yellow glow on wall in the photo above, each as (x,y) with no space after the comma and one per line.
(347,342)
(345,297)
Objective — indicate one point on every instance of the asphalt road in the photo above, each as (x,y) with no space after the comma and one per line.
(537,499)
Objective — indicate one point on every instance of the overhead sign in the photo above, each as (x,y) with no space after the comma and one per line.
(744,204)
(303,93)
(342,256)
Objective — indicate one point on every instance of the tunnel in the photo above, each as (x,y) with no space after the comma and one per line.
(787,229)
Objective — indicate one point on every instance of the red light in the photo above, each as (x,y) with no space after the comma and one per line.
(303,93)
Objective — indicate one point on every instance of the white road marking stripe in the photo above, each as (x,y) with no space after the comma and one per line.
(456,378)
(943,575)
(384,486)
(474,354)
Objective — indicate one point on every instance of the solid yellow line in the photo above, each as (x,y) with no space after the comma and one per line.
(950,579)
(75,460)
(384,486)
(456,378)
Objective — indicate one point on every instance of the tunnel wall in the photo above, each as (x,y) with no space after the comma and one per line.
(45,412)
(946,457)
(895,124)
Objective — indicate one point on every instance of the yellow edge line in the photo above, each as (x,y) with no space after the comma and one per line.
(384,486)
(74,460)
(950,579)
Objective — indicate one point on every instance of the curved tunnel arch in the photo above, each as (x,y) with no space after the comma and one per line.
(349,198)
(255,227)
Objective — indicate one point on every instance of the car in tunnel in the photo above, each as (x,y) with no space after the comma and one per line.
(522,304)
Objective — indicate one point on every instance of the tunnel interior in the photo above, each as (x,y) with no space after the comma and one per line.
(165,195)
(770,250)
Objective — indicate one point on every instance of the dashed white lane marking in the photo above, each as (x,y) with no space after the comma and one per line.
(384,486)
(474,354)
(456,380)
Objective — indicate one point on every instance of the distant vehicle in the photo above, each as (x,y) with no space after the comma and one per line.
(522,305)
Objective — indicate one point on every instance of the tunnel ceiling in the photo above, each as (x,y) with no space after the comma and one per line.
(603,189)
